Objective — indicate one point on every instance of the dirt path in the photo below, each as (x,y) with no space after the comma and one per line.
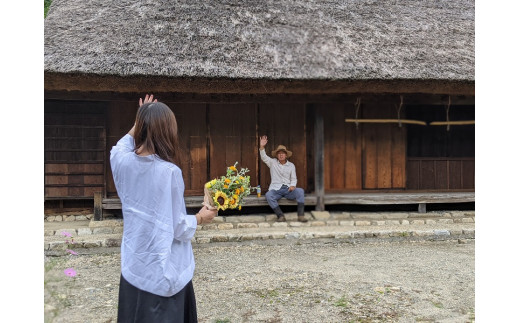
(290,281)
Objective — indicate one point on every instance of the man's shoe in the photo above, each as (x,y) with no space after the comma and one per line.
(281,219)
(302,218)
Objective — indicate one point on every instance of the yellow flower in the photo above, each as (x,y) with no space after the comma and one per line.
(235,196)
(213,182)
(240,207)
(242,189)
(208,184)
(233,168)
(225,186)
(241,178)
(221,200)
(227,180)
(237,191)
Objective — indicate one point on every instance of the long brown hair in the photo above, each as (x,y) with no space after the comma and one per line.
(156,131)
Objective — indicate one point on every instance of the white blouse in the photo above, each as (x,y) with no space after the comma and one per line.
(156,252)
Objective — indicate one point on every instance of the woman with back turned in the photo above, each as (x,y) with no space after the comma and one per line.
(157,260)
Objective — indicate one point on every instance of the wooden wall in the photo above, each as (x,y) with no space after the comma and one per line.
(232,138)
(441,173)
(74,145)
(366,156)
(213,135)
(440,158)
(120,119)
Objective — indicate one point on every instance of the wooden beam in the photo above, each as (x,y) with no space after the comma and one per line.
(407,121)
(98,206)
(319,160)
(384,198)
(452,123)
(380,198)
(136,83)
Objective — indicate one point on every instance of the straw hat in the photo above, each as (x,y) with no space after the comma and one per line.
(281,147)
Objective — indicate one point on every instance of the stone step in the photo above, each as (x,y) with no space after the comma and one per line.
(316,219)
(461,232)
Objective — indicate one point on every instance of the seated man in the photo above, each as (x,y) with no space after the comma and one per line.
(283,180)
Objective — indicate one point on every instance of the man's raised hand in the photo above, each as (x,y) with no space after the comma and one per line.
(263,141)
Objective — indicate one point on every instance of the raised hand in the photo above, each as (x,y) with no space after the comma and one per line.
(263,141)
(147,99)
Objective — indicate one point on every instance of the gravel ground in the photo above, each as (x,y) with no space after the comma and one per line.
(289,281)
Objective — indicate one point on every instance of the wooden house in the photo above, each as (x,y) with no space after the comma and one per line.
(376,99)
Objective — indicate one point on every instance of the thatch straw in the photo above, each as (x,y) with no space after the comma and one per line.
(268,39)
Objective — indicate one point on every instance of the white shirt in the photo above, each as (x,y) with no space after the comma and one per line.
(156,252)
(281,174)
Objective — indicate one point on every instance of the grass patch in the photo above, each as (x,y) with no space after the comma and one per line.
(342,302)
(267,293)
(46,5)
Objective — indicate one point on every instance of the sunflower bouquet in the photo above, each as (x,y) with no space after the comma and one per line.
(228,192)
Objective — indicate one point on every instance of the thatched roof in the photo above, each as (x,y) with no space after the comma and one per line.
(245,41)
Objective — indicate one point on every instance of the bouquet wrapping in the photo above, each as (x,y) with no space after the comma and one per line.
(227,192)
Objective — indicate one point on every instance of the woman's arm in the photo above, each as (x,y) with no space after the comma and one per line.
(185,225)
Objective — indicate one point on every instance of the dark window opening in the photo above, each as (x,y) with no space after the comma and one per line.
(437,141)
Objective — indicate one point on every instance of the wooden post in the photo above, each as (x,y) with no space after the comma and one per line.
(422,207)
(319,144)
(98,206)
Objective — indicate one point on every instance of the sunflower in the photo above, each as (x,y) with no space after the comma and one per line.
(221,200)
(211,183)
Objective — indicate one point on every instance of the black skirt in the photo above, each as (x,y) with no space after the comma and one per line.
(136,305)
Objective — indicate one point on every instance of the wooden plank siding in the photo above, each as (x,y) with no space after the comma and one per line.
(120,118)
(438,158)
(343,148)
(232,133)
(364,156)
(193,137)
(74,149)
(441,173)
(384,148)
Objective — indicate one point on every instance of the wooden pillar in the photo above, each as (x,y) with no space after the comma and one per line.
(319,145)
(98,206)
